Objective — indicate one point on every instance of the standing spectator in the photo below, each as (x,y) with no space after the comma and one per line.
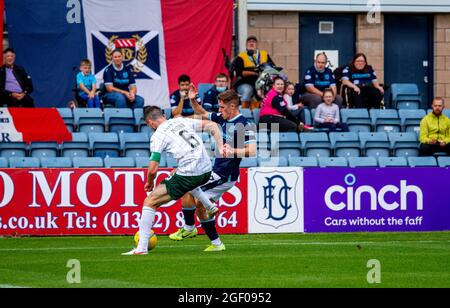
(435,131)
(247,71)
(318,78)
(327,114)
(275,111)
(15,83)
(120,85)
(364,90)
(210,100)
(87,85)
(180,99)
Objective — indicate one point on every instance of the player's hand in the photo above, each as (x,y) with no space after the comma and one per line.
(227,151)
(149,187)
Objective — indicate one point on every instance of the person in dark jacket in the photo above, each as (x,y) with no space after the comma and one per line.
(15,84)
(210,99)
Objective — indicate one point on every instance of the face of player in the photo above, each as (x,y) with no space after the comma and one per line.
(228,111)
(438,107)
(184,87)
(360,63)
(10,58)
(117,59)
(279,85)
(328,98)
(321,63)
(85,69)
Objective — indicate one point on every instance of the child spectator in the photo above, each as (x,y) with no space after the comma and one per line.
(298,110)
(87,85)
(327,114)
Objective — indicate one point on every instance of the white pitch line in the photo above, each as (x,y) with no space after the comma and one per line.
(7,286)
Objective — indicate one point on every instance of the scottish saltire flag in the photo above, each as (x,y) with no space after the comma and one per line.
(160,40)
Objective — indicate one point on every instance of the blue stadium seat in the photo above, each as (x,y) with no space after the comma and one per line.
(358,120)
(247,113)
(163,161)
(67,116)
(24,162)
(444,161)
(308,117)
(375,144)
(422,162)
(385,162)
(256,116)
(87,162)
(142,162)
(405,96)
(89,120)
(78,147)
(13,149)
(4,162)
(325,162)
(203,88)
(44,149)
(104,144)
(119,162)
(345,144)
(120,120)
(147,130)
(135,144)
(446,112)
(386,120)
(273,162)
(315,144)
(304,162)
(249,162)
(288,144)
(56,162)
(139,118)
(411,119)
(404,144)
(357,162)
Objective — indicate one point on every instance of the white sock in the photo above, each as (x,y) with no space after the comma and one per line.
(145,228)
(201,196)
(189,228)
(217,242)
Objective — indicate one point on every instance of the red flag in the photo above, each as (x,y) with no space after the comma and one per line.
(2,13)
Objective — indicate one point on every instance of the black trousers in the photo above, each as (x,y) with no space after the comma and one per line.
(285,125)
(431,149)
(369,98)
(334,127)
(26,102)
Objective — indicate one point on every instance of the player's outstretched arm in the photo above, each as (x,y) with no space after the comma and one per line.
(248,151)
(198,110)
(214,130)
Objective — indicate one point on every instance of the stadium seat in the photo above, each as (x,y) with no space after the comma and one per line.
(345,144)
(315,144)
(135,144)
(288,144)
(358,120)
(171,162)
(168,113)
(89,120)
(273,162)
(386,120)
(119,162)
(308,117)
(357,162)
(104,144)
(422,162)
(304,162)
(203,88)
(325,162)
(444,161)
(385,162)
(120,120)
(13,149)
(247,113)
(4,162)
(405,96)
(56,162)
(24,162)
(44,149)
(404,144)
(375,144)
(446,112)
(411,119)
(142,162)
(67,116)
(78,147)
(256,113)
(139,119)
(249,162)
(87,162)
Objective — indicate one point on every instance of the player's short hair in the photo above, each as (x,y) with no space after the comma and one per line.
(229,97)
(153,113)
(184,78)
(85,62)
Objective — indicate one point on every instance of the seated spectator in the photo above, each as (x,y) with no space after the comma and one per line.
(275,111)
(298,110)
(210,101)
(364,91)
(247,71)
(179,100)
(318,78)
(15,83)
(435,131)
(327,114)
(120,85)
(87,85)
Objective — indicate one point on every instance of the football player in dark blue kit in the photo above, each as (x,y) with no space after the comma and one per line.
(239,141)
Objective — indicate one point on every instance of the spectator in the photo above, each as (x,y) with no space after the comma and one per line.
(318,78)
(435,131)
(364,90)
(120,85)
(87,85)
(275,111)
(15,83)
(180,99)
(247,71)
(210,100)
(327,114)
(298,110)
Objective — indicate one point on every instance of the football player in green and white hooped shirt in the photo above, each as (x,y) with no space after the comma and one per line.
(177,137)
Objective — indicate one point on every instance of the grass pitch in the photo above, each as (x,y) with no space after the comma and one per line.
(251,261)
